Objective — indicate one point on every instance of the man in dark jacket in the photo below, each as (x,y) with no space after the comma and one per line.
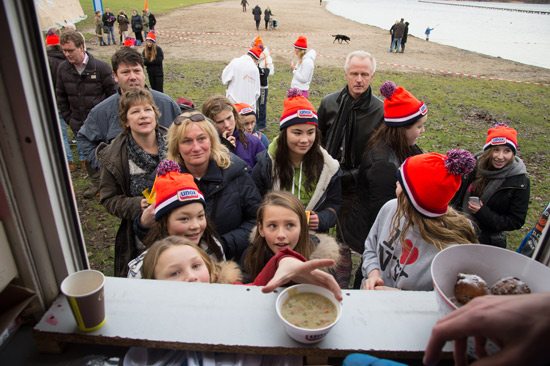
(109,22)
(152,20)
(82,83)
(257,11)
(348,118)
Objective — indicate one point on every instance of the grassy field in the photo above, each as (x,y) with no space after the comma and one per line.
(460,112)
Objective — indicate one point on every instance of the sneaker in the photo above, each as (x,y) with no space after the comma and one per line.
(72,142)
(91,192)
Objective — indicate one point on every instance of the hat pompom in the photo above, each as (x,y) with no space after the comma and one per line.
(459,161)
(500,124)
(261,46)
(51,32)
(388,88)
(167,166)
(293,92)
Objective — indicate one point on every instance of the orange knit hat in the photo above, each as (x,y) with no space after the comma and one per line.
(297,109)
(501,134)
(301,43)
(174,189)
(401,108)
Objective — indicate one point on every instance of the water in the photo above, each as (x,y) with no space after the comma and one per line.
(521,37)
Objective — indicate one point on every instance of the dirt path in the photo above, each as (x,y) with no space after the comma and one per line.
(221,31)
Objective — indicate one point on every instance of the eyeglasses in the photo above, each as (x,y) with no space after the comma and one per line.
(194,117)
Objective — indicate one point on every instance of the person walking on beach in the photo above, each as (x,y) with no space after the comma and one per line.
(257,11)
(427,32)
(267,16)
(398,33)
(244,3)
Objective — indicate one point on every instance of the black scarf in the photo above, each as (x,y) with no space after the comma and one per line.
(341,142)
(142,164)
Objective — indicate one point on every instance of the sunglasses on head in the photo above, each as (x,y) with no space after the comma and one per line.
(197,117)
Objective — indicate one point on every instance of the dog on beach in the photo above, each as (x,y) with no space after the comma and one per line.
(340,38)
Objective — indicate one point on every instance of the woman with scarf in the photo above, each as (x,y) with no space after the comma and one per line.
(126,166)
(496,194)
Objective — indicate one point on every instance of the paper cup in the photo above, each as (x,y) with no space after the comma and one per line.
(84,290)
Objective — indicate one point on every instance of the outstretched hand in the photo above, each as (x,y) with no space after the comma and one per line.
(519,324)
(293,269)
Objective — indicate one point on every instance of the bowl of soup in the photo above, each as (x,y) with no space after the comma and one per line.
(308,312)
(488,264)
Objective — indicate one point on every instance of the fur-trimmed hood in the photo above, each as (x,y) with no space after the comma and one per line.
(227,272)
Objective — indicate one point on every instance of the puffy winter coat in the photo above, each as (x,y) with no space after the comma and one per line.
(232,201)
(78,93)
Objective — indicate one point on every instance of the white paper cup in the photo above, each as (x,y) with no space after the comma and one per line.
(303,335)
(84,291)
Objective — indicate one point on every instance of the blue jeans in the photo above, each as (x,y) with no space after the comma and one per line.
(68,151)
(396,42)
(262,109)
(111,35)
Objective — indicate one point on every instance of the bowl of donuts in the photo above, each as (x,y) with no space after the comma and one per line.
(462,272)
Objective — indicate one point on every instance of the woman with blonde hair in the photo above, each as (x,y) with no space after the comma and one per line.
(231,196)
(303,69)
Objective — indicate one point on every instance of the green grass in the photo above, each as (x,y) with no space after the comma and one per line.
(156,7)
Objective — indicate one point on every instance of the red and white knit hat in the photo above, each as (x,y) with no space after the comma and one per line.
(52,38)
(245,109)
(401,108)
(501,134)
(297,110)
(255,52)
(174,189)
(431,180)
(151,36)
(301,43)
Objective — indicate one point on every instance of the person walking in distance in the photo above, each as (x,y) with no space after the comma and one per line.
(257,11)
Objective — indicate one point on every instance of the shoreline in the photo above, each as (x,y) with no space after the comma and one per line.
(220,31)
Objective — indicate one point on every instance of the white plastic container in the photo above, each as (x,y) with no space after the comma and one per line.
(303,335)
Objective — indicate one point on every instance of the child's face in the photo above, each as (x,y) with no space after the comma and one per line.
(413,132)
(181,263)
(280,228)
(188,221)
(249,122)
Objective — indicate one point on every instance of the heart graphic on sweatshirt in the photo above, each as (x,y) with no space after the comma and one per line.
(408,256)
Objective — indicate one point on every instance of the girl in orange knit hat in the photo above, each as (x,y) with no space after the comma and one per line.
(302,70)
(497,193)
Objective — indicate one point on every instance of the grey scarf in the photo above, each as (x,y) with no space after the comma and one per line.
(142,164)
(496,178)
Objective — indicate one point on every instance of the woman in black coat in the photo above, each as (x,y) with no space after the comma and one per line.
(496,193)
(137,27)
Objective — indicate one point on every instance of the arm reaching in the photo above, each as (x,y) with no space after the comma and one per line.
(519,324)
(293,269)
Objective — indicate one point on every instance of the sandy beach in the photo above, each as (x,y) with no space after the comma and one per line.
(221,31)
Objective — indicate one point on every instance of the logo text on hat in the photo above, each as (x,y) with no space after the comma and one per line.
(498,141)
(423,109)
(246,110)
(305,113)
(188,194)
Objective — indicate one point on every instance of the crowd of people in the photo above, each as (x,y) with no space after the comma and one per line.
(226,205)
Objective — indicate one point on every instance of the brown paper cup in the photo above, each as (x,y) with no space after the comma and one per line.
(84,290)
